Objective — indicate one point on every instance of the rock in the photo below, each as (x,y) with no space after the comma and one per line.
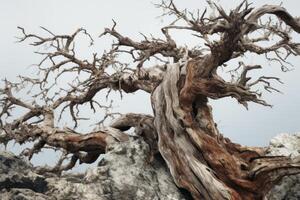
(17,173)
(18,181)
(123,173)
(286,145)
(22,194)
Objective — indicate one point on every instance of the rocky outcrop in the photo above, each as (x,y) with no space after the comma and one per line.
(124,173)
(18,181)
(286,145)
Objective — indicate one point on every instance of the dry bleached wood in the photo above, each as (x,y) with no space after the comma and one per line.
(182,128)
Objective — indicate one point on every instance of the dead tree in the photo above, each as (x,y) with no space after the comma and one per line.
(182,128)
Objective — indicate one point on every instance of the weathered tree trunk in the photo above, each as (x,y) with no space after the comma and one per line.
(184,133)
(199,158)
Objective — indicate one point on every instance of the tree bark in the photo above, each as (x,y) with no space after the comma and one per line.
(183,131)
(199,158)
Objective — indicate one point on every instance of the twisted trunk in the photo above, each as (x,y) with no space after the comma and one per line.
(199,158)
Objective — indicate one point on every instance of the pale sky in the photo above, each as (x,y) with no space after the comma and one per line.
(253,127)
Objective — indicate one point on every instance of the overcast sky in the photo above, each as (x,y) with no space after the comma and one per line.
(253,127)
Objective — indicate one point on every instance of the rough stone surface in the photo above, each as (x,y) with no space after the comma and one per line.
(123,173)
(18,181)
(286,145)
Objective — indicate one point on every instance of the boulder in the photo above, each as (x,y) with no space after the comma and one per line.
(124,172)
(286,145)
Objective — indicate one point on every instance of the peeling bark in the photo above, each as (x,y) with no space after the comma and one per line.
(200,159)
(182,129)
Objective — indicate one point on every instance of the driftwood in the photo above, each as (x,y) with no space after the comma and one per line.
(182,128)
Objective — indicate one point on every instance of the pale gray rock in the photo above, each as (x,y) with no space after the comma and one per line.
(124,173)
(286,145)
(22,194)
(18,181)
